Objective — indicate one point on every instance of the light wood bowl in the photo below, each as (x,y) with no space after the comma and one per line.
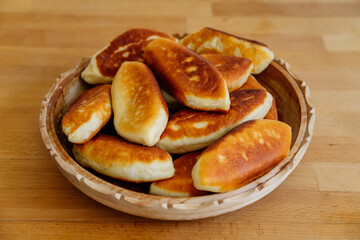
(294,107)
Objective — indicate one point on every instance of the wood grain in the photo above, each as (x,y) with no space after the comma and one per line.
(338,176)
(342,42)
(286,9)
(174,230)
(240,25)
(40,39)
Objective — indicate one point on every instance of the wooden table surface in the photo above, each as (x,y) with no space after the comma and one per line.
(321,41)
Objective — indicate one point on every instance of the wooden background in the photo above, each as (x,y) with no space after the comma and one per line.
(321,41)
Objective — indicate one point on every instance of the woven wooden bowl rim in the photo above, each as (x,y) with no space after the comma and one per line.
(241,197)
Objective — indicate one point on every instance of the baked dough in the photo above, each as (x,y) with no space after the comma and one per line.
(235,70)
(140,111)
(244,154)
(87,114)
(128,46)
(181,184)
(209,40)
(190,130)
(186,76)
(116,158)
(251,83)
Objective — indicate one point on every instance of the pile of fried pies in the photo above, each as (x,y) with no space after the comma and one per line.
(194,99)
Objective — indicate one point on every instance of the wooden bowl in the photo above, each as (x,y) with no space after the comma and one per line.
(294,107)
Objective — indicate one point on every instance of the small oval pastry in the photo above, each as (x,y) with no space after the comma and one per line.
(181,184)
(209,40)
(116,158)
(244,154)
(140,111)
(251,83)
(128,46)
(87,114)
(235,70)
(186,76)
(190,130)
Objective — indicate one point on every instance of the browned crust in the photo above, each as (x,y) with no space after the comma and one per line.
(251,83)
(182,180)
(245,160)
(146,92)
(93,99)
(231,67)
(241,38)
(107,148)
(242,103)
(155,87)
(104,149)
(108,61)
(169,62)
